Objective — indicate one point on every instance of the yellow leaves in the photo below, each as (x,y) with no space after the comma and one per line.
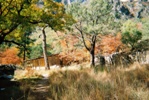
(62,25)
(54,15)
(34,9)
(16,35)
(51,2)
(88,44)
(131,26)
(60,4)
(119,36)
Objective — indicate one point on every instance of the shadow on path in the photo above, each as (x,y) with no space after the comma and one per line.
(39,91)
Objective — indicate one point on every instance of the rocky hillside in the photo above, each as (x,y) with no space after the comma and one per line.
(129,8)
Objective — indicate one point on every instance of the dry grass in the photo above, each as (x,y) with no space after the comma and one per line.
(85,84)
(88,85)
(27,73)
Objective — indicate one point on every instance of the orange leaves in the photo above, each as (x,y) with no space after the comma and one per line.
(110,43)
(70,52)
(63,44)
(76,55)
(9,56)
(68,42)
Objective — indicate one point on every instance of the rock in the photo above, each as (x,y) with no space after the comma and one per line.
(6,74)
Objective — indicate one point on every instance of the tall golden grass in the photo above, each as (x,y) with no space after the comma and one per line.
(87,85)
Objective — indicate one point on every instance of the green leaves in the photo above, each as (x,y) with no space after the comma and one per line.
(53,15)
(14,14)
(145,28)
(36,51)
(131,38)
(22,15)
(95,16)
(130,33)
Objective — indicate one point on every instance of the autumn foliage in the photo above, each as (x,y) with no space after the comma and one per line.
(110,44)
(9,56)
(73,50)
(70,52)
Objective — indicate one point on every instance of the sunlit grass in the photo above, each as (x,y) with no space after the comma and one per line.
(27,73)
(87,85)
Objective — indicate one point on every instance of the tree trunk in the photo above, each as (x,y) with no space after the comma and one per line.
(92,57)
(24,57)
(24,50)
(1,39)
(92,51)
(45,49)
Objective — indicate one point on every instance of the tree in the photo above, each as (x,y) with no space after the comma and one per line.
(144,24)
(36,51)
(53,16)
(131,34)
(18,18)
(53,41)
(45,48)
(16,13)
(27,13)
(93,17)
(21,39)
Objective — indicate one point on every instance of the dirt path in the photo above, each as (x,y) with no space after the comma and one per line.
(39,91)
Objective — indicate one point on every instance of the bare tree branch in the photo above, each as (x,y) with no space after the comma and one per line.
(81,32)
